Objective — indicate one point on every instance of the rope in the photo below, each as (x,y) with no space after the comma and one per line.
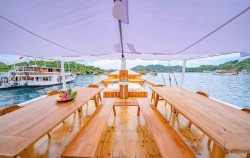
(173,75)
(43,38)
(209,34)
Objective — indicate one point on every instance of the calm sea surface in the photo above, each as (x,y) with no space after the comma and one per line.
(234,89)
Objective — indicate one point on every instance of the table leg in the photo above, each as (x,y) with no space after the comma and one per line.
(152,96)
(248,155)
(138,111)
(49,136)
(156,100)
(99,95)
(96,102)
(217,152)
(80,109)
(114,110)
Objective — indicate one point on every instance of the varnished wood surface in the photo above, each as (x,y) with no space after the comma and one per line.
(168,141)
(152,83)
(85,143)
(227,126)
(109,93)
(25,126)
(108,81)
(125,136)
(123,76)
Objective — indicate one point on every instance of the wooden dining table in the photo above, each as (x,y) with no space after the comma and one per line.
(23,127)
(228,127)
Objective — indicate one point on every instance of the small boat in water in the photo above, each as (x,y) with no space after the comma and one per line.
(226,72)
(153,73)
(95,73)
(34,76)
(80,73)
(106,73)
(143,72)
(246,71)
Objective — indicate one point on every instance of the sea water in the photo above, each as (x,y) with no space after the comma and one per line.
(234,89)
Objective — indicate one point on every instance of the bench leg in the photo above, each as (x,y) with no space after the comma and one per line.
(114,110)
(217,152)
(138,111)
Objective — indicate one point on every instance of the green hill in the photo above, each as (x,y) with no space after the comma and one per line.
(231,65)
(158,68)
(69,66)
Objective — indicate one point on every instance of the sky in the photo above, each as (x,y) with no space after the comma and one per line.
(115,64)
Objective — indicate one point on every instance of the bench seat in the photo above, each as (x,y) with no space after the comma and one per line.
(85,143)
(168,141)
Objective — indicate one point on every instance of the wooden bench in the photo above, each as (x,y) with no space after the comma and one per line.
(86,141)
(168,141)
(9,109)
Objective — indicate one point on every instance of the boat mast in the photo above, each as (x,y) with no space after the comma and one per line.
(183,71)
(63,75)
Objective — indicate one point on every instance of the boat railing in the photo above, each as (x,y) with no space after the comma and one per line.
(32,100)
(4,74)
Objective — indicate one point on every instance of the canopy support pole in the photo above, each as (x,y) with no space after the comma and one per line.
(123,60)
(183,71)
(63,75)
(123,64)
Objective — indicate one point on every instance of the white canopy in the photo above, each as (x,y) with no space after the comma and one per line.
(157,29)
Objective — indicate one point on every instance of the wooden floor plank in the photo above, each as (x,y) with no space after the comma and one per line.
(86,141)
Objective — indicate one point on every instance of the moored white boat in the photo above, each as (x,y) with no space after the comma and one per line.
(226,72)
(34,76)
(246,71)
(153,73)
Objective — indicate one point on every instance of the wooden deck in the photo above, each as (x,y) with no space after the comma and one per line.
(126,135)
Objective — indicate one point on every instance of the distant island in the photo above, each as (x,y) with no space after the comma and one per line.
(77,67)
(69,66)
(231,65)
